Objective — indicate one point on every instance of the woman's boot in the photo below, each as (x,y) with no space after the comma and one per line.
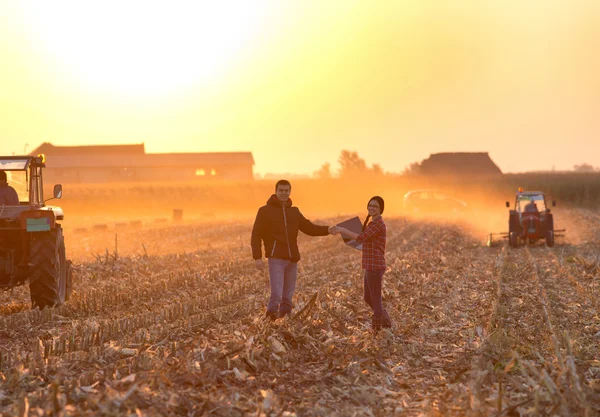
(381,321)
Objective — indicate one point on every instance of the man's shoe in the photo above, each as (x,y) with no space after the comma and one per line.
(272,315)
(285,307)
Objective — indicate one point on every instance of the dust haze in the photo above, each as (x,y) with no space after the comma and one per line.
(129,216)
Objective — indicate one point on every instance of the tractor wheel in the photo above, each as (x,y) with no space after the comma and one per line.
(513,239)
(66,279)
(49,270)
(550,238)
(514,224)
(69,281)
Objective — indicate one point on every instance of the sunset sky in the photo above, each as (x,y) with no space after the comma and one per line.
(295,82)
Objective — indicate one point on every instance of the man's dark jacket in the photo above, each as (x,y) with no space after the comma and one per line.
(8,195)
(277,226)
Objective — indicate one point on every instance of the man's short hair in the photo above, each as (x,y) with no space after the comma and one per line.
(283,182)
(2,176)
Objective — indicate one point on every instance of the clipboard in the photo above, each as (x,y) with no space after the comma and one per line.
(354,225)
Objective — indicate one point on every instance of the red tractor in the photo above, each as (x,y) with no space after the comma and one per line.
(530,220)
(32,244)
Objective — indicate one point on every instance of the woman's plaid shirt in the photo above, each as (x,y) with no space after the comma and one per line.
(373,245)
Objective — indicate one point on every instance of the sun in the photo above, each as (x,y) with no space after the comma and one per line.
(145,47)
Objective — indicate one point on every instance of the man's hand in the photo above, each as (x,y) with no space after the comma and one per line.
(333,230)
(342,231)
(259,264)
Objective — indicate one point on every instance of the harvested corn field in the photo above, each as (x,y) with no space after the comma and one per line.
(170,321)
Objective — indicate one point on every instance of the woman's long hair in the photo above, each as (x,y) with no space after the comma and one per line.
(365,223)
(381,207)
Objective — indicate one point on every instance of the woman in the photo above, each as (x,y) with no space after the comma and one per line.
(372,238)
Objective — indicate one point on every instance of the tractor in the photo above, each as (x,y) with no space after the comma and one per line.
(32,244)
(529,221)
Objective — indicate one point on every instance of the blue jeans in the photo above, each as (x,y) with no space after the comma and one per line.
(282,275)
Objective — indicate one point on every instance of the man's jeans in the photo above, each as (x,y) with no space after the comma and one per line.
(282,275)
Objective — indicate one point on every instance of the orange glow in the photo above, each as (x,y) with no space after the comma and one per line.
(296,82)
(150,48)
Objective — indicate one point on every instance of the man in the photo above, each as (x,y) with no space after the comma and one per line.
(8,195)
(277,224)
(531,207)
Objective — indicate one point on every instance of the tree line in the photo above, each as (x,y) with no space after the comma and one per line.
(351,165)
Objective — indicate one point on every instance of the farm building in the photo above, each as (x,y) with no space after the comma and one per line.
(460,164)
(117,163)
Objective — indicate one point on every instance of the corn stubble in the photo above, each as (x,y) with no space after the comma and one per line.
(478,331)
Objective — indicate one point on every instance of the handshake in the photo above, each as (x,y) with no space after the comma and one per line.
(335,230)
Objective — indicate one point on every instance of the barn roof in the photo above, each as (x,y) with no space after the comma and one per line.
(459,163)
(121,156)
(195,160)
(49,149)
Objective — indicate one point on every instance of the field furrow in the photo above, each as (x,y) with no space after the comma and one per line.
(477,331)
(536,357)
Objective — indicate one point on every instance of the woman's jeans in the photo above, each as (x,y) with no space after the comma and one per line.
(372,281)
(380,317)
(282,275)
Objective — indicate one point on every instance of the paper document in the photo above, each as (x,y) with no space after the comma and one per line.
(354,225)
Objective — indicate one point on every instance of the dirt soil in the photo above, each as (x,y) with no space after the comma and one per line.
(169,320)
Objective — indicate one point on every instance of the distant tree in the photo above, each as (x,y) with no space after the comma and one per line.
(376,169)
(324,172)
(584,168)
(412,169)
(351,164)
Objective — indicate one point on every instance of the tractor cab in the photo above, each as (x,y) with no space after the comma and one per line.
(18,180)
(530,202)
(24,175)
(535,203)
